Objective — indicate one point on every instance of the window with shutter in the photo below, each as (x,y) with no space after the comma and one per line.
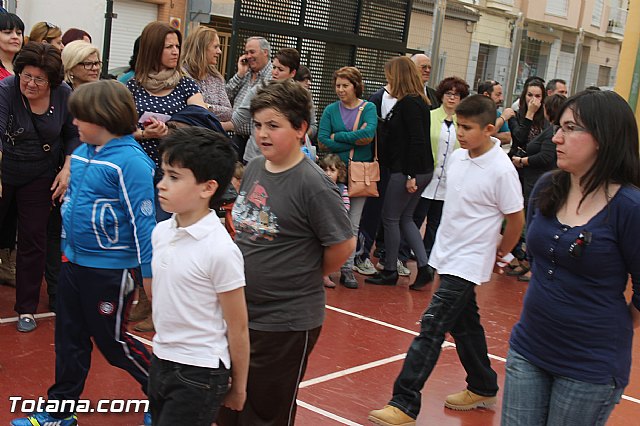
(596,18)
(557,7)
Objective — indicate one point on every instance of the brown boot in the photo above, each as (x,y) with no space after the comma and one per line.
(142,309)
(7,267)
(467,400)
(146,325)
(390,416)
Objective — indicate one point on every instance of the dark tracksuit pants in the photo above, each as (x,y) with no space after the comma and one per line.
(94,302)
(277,365)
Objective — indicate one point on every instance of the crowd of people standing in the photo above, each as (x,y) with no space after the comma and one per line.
(142,167)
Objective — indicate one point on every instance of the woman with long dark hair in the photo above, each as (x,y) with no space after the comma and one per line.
(526,125)
(539,156)
(159,87)
(570,353)
(529,121)
(408,156)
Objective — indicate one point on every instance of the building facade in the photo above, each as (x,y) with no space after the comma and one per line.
(476,40)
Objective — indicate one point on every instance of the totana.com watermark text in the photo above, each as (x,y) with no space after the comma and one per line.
(19,404)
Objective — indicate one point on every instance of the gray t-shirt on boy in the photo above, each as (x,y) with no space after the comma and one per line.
(283,222)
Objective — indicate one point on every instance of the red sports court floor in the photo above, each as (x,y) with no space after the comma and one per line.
(351,371)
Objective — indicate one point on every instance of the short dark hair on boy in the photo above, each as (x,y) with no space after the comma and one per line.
(288,98)
(107,103)
(289,58)
(208,154)
(43,56)
(478,108)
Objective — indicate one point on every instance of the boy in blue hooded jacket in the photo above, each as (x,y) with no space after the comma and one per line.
(108,216)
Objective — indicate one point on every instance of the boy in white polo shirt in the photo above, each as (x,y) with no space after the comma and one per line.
(199,309)
(482,190)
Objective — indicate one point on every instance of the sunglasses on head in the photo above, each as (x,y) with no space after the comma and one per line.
(50,27)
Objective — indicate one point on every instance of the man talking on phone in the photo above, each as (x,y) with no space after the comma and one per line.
(254,67)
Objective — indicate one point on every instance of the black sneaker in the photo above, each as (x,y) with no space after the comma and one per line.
(383,277)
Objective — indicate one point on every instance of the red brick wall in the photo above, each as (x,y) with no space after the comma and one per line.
(172,9)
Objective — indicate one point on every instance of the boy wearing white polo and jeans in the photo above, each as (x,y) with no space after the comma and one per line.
(199,310)
(482,190)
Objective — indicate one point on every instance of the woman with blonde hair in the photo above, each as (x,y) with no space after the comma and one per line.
(408,156)
(200,56)
(46,32)
(81,62)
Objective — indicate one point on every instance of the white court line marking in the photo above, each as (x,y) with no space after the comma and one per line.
(36,316)
(351,370)
(375,321)
(322,412)
(414,333)
(630,398)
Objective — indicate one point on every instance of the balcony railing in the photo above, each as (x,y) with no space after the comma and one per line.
(617,20)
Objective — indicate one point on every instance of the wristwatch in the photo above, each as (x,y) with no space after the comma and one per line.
(409,177)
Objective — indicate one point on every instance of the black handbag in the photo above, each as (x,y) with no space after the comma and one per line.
(45,146)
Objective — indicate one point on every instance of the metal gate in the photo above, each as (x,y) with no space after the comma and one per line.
(329,34)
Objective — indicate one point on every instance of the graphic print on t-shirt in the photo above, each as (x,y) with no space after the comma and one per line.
(251,214)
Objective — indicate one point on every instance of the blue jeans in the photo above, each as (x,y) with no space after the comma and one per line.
(533,396)
(453,309)
(182,394)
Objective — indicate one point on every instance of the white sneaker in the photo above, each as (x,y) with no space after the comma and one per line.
(403,271)
(364,268)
